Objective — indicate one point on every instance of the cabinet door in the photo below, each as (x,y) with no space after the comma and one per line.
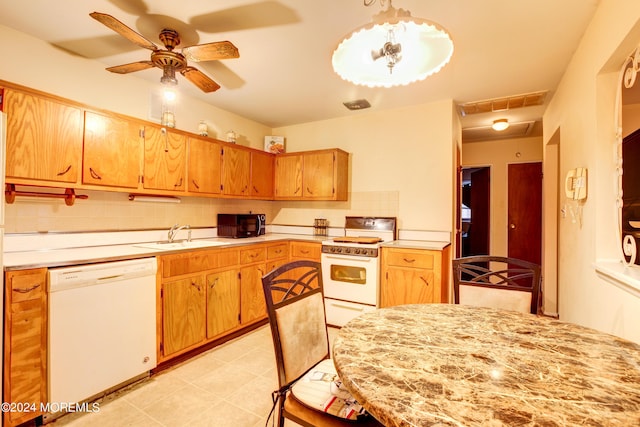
(112,151)
(406,286)
(25,343)
(164,159)
(236,171)
(306,250)
(223,302)
(252,305)
(204,166)
(288,176)
(183,306)
(44,138)
(262,167)
(317,177)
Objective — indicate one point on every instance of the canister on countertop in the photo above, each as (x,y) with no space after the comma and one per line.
(320,227)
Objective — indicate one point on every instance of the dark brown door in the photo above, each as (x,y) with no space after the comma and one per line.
(525,211)
(479,231)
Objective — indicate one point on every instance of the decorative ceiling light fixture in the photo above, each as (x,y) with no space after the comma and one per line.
(500,124)
(393,49)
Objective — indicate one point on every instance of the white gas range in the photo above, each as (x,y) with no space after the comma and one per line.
(351,267)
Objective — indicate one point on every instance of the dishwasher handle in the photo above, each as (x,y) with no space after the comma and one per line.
(65,278)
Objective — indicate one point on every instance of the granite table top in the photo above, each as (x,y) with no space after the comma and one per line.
(453,365)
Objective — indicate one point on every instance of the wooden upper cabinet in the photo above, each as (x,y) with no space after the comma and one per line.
(204,166)
(164,159)
(312,175)
(288,176)
(262,167)
(318,175)
(44,138)
(236,171)
(112,151)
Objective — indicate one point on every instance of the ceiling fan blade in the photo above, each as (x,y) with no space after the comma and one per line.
(123,30)
(132,67)
(200,79)
(211,51)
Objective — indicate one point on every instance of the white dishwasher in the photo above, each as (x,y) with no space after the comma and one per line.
(102,327)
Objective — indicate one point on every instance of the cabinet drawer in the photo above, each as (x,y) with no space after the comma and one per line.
(408,258)
(248,256)
(306,250)
(278,251)
(25,287)
(193,262)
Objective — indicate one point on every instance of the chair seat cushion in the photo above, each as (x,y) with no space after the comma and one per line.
(322,390)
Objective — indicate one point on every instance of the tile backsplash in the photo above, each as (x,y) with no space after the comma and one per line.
(112,211)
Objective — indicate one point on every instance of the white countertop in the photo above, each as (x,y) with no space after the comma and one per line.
(65,249)
(102,253)
(417,244)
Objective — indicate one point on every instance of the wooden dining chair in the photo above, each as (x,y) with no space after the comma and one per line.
(309,390)
(497,282)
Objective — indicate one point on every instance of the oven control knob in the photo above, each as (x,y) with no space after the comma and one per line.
(357,251)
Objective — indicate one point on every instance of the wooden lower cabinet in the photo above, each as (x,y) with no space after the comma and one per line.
(223,302)
(305,250)
(207,294)
(25,344)
(414,276)
(184,314)
(252,304)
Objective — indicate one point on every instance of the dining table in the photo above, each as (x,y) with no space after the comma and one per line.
(458,365)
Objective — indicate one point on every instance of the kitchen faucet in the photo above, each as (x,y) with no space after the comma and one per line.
(174,230)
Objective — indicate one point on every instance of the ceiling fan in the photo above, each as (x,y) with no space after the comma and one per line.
(167,59)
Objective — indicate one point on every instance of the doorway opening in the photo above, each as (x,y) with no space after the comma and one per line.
(475,210)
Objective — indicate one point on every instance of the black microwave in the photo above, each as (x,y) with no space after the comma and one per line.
(241,225)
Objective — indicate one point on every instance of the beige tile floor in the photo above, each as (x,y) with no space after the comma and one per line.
(229,385)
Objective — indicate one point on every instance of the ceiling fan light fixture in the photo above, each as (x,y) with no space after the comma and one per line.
(500,125)
(394,49)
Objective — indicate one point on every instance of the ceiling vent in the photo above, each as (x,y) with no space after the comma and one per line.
(503,104)
(358,104)
(486,133)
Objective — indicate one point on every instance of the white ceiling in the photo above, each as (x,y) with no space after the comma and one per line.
(283,76)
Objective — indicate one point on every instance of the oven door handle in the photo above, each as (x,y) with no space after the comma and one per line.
(350,258)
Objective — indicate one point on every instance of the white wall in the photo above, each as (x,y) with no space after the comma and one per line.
(402,156)
(583,111)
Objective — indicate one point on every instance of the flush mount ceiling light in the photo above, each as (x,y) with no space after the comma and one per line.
(500,124)
(394,49)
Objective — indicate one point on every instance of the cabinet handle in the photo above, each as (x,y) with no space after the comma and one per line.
(297,189)
(424,280)
(195,184)
(214,283)
(309,191)
(410,261)
(94,174)
(305,252)
(26,290)
(163,131)
(246,187)
(255,190)
(179,183)
(64,171)
(194,284)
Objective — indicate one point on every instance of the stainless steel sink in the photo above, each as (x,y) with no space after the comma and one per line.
(182,244)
